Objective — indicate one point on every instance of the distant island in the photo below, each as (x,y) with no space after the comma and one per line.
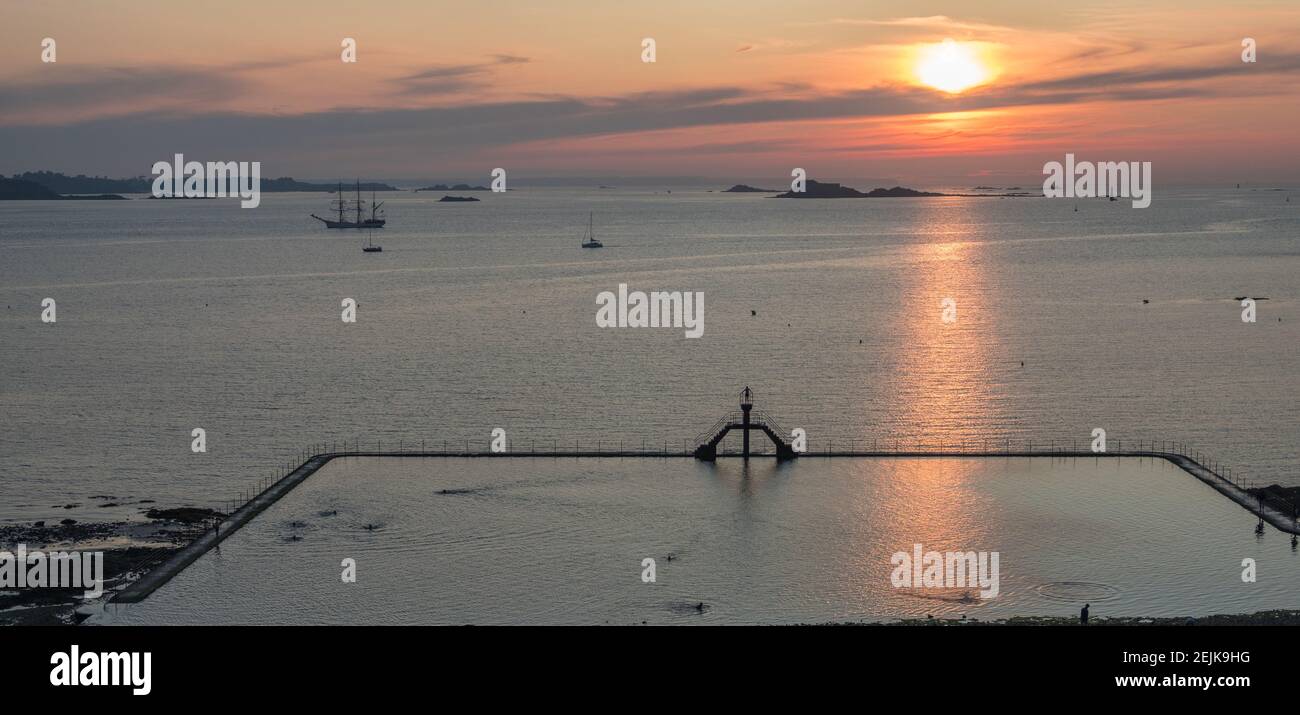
(820,190)
(23,190)
(288,183)
(829,190)
(457,198)
(81,184)
(457,187)
(747,189)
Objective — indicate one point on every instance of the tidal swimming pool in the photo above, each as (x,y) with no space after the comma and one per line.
(564,541)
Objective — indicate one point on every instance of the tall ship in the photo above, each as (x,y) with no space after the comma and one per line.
(345,207)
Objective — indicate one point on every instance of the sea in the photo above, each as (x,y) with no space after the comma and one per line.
(972,322)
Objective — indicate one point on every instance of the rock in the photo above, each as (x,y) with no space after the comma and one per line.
(185,514)
(746,189)
(828,190)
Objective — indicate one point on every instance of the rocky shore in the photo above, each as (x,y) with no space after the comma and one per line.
(130,549)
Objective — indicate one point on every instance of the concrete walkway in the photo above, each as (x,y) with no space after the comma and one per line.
(139,589)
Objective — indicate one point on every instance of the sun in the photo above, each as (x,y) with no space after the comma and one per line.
(950,66)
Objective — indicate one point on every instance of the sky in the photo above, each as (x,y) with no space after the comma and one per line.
(739,89)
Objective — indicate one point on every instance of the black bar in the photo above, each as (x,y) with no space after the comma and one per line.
(997,666)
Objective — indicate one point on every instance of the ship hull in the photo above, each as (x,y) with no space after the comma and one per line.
(368,223)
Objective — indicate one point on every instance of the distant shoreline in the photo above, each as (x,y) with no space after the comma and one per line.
(22,190)
(59,183)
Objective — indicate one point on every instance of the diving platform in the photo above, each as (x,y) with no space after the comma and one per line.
(745,420)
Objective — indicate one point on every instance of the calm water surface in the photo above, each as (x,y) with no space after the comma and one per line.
(561,541)
(176,315)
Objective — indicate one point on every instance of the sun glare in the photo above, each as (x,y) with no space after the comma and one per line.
(950,66)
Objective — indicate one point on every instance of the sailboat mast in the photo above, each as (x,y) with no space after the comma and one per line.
(339,195)
(358,202)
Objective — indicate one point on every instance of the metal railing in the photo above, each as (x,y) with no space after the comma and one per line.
(874,447)
(757,418)
(889,445)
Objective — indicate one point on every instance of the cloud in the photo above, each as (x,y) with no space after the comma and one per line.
(1097,52)
(69,94)
(454,79)
(906,30)
(124,88)
(931,22)
(1132,77)
(384,135)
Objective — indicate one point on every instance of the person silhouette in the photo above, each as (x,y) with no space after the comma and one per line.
(1083,614)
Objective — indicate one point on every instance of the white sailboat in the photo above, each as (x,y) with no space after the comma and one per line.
(589,240)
